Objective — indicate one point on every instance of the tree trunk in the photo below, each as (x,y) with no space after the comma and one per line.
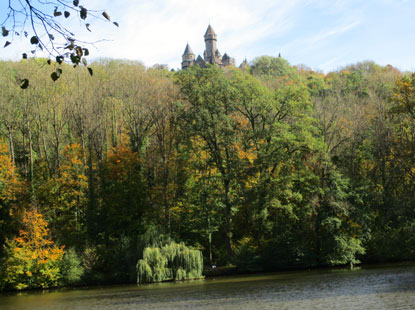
(45,150)
(210,248)
(24,153)
(91,212)
(228,222)
(30,151)
(11,144)
(165,199)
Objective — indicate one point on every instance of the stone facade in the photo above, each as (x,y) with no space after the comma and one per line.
(211,54)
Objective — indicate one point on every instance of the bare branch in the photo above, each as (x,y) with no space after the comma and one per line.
(46,31)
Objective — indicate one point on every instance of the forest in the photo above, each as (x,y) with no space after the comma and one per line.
(265,168)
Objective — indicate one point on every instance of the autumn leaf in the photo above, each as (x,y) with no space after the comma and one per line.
(105,14)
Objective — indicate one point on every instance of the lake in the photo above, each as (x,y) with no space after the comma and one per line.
(379,287)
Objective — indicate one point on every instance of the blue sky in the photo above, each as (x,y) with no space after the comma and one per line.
(322,34)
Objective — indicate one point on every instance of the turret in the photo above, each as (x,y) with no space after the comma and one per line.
(188,57)
(228,61)
(244,65)
(210,41)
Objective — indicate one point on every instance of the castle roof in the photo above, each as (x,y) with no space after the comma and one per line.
(226,56)
(244,64)
(200,61)
(188,50)
(210,30)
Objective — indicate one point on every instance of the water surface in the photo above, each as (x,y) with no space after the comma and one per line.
(391,287)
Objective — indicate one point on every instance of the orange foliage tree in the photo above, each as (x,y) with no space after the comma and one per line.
(65,198)
(10,190)
(32,259)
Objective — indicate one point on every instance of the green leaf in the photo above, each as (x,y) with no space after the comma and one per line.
(84,62)
(79,51)
(116,24)
(49,61)
(54,76)
(24,84)
(58,72)
(34,40)
(75,2)
(56,12)
(67,14)
(59,59)
(7,44)
(75,59)
(87,27)
(4,31)
(86,52)
(83,12)
(24,56)
(51,36)
(91,72)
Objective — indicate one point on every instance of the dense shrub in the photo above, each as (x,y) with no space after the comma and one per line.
(71,268)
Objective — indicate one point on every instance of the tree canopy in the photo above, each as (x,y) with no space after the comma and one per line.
(278,167)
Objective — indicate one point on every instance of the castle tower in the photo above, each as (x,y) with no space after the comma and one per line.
(188,57)
(211,54)
(210,41)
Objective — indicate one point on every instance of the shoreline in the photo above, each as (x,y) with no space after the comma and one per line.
(220,272)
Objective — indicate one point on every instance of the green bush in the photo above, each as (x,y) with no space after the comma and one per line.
(71,268)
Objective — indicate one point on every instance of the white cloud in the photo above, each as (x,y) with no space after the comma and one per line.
(157,31)
(314,41)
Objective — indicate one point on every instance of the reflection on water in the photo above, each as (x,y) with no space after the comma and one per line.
(372,288)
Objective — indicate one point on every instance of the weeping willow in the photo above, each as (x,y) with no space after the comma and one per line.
(172,261)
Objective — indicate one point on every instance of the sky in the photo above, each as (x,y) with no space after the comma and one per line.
(322,34)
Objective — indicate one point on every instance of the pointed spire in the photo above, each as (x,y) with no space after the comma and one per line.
(188,50)
(200,61)
(210,30)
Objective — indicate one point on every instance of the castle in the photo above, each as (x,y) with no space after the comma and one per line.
(210,56)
